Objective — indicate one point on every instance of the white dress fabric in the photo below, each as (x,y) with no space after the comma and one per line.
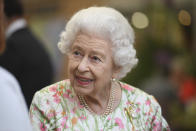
(13,109)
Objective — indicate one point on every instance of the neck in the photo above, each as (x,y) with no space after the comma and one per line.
(99,103)
(100,100)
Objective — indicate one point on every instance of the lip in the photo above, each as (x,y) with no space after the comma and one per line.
(83,81)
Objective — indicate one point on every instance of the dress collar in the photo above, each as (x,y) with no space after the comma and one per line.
(16,25)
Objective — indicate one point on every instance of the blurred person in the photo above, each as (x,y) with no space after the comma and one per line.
(182,79)
(160,86)
(24,56)
(98,42)
(187,91)
(13,112)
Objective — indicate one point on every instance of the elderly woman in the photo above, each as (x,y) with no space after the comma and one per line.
(99,44)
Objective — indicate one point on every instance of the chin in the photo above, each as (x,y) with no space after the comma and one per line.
(82,90)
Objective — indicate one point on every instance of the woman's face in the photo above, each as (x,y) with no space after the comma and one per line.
(90,65)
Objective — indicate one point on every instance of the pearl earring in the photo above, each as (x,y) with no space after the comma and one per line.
(113,79)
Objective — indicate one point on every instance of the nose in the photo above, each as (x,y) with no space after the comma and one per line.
(83,65)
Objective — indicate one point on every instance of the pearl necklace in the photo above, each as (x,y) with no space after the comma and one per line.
(109,106)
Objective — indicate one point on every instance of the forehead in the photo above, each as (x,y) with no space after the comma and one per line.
(92,43)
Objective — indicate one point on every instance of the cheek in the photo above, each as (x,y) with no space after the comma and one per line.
(109,70)
(72,65)
(103,72)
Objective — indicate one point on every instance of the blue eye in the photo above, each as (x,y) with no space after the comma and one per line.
(95,58)
(76,53)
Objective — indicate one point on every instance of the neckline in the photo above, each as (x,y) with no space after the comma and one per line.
(109,106)
(113,111)
(16,25)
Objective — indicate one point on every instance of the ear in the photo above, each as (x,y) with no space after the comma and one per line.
(116,71)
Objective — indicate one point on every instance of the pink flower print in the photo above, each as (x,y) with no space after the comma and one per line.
(118,121)
(56,98)
(34,108)
(55,95)
(129,103)
(65,118)
(109,118)
(147,113)
(148,102)
(157,126)
(138,103)
(80,105)
(58,129)
(127,87)
(138,110)
(64,122)
(73,110)
(53,88)
(42,127)
(65,95)
(68,91)
(146,123)
(50,115)
(82,117)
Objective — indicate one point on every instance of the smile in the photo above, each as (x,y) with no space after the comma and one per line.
(83,81)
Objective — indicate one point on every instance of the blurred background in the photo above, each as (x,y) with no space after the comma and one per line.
(165,43)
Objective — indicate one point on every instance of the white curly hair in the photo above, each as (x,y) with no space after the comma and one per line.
(106,23)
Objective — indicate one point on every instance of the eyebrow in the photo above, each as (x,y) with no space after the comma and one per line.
(76,47)
(94,51)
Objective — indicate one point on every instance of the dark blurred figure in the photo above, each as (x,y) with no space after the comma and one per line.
(24,56)
(160,86)
(183,80)
(2,36)
(184,116)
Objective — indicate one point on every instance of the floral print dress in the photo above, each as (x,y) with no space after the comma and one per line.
(57,108)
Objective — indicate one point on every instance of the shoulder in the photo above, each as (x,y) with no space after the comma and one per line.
(129,89)
(54,88)
(7,79)
(138,96)
(19,32)
(22,37)
(51,92)
(144,108)
(12,100)
(50,100)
